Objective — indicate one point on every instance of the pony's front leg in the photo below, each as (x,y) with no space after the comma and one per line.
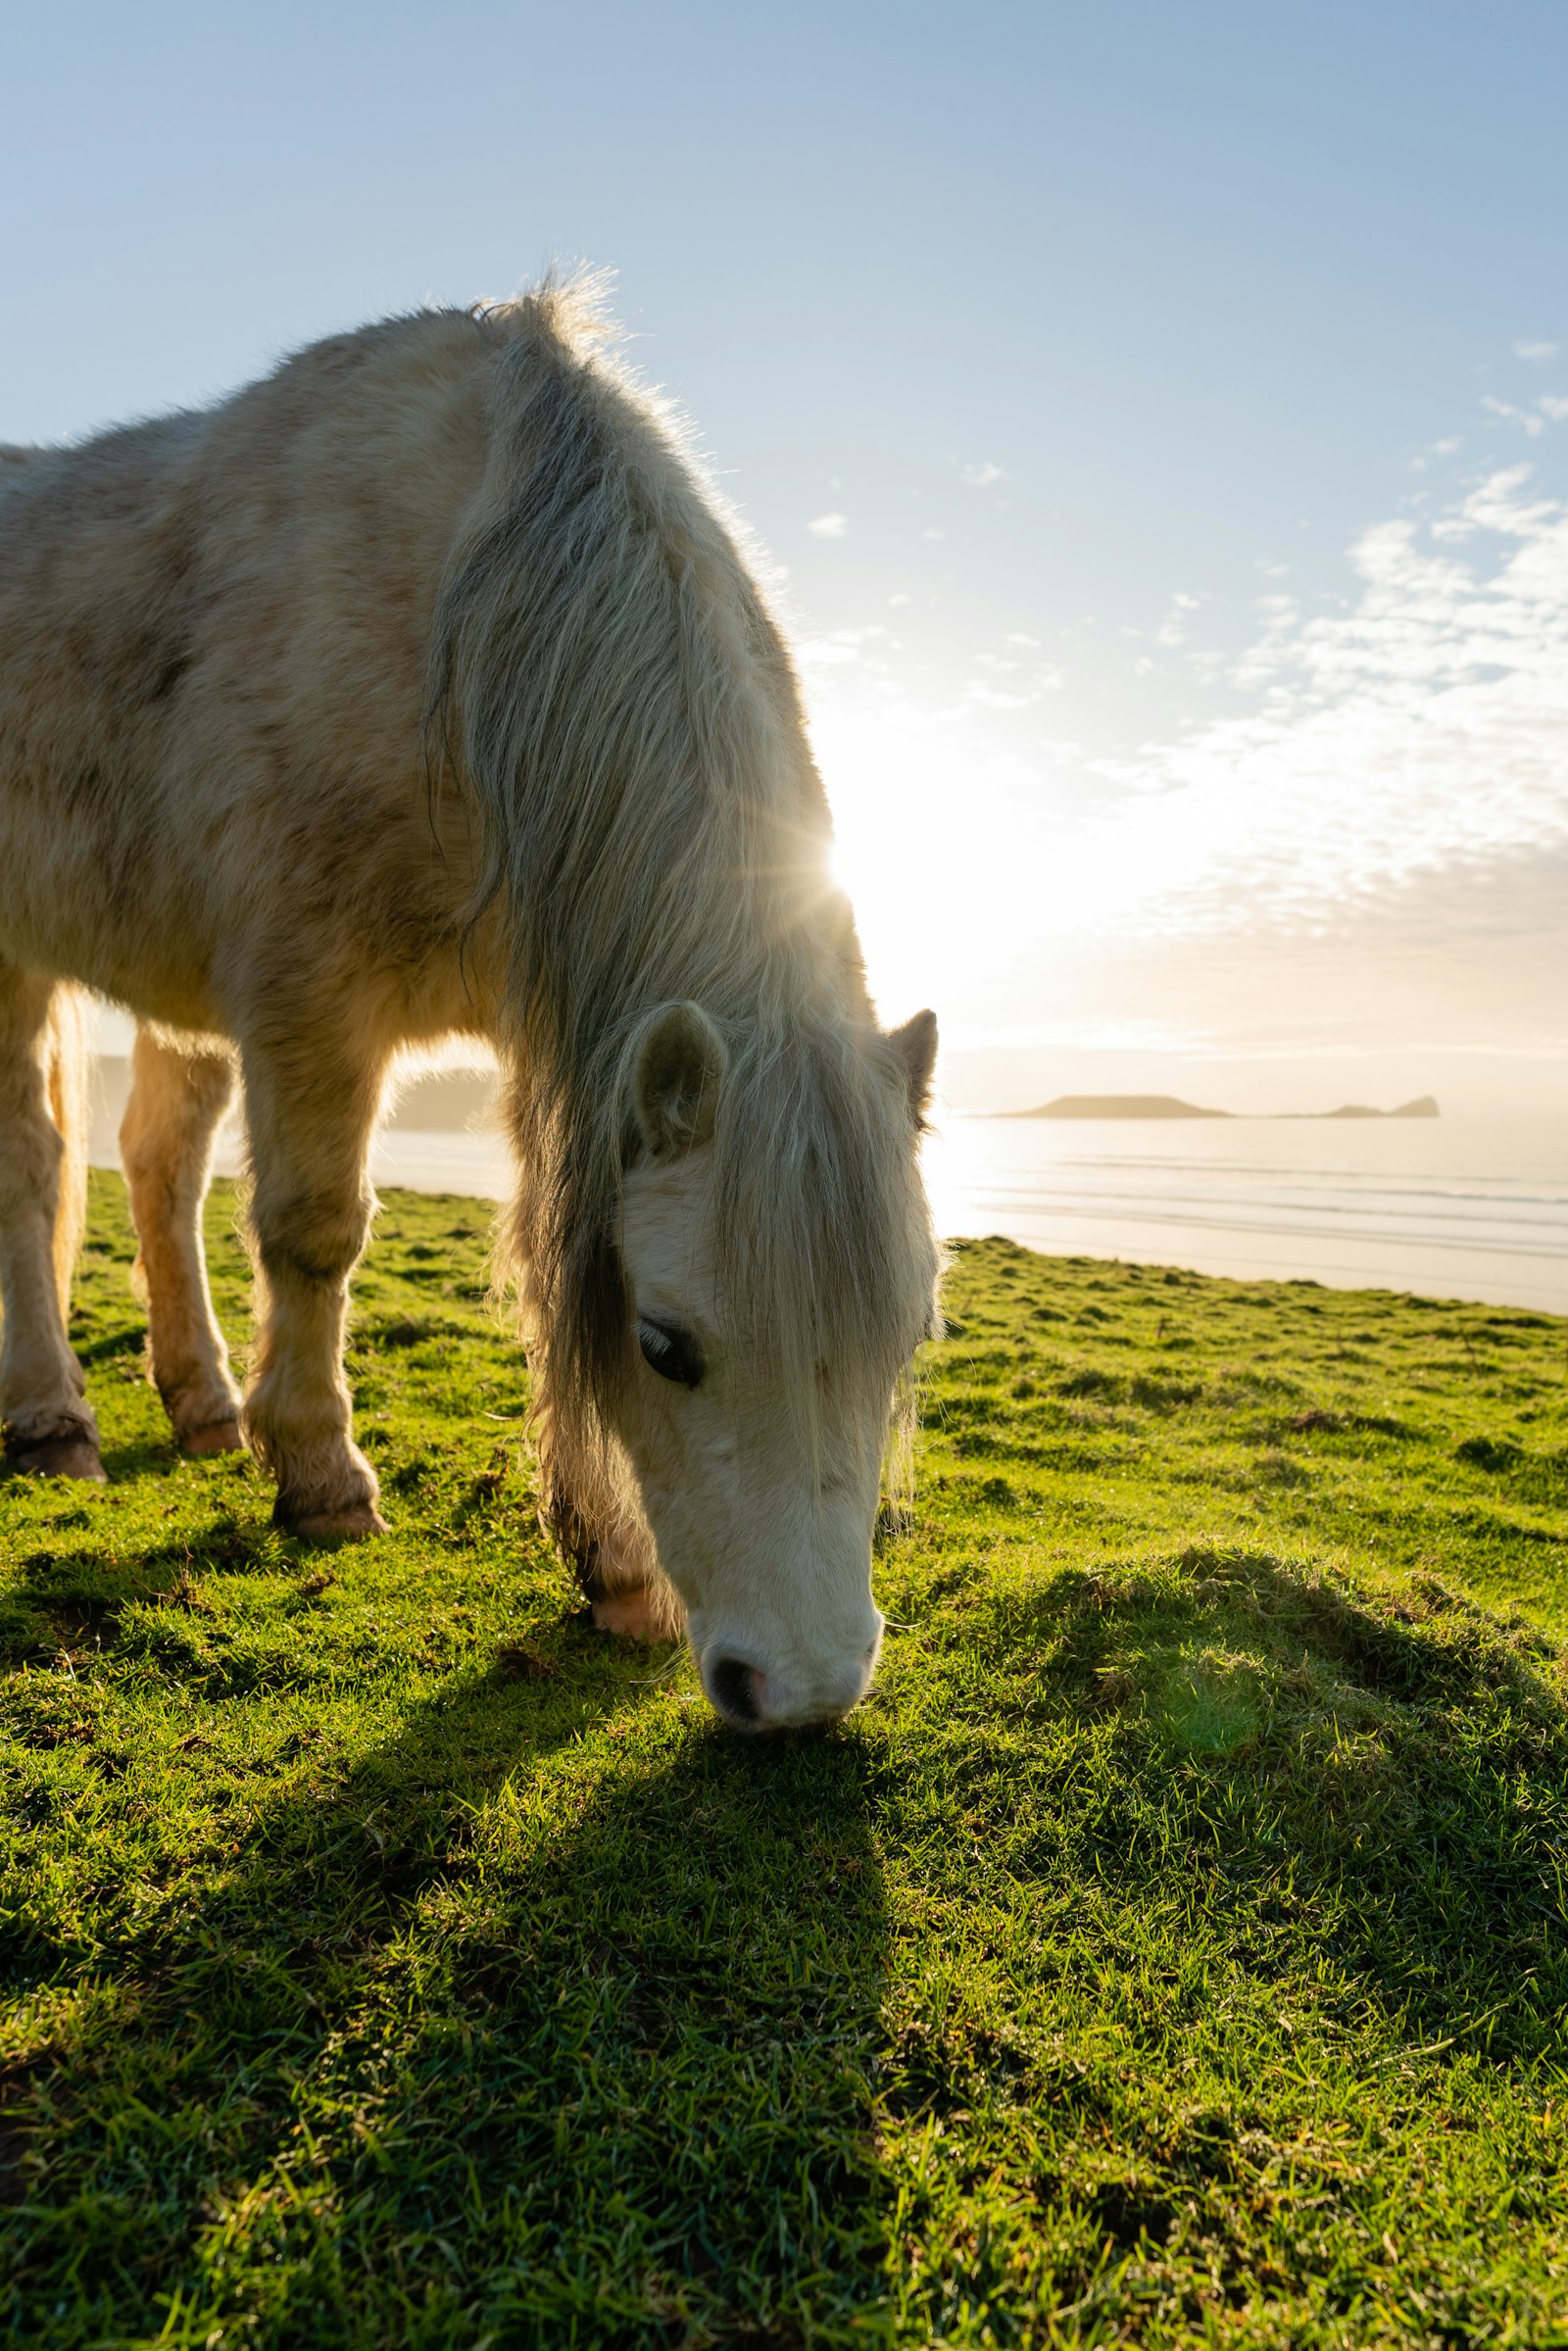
(626,1588)
(310,1117)
(166,1143)
(48,1423)
(612,1554)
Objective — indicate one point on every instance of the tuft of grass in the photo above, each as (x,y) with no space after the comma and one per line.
(1171,1950)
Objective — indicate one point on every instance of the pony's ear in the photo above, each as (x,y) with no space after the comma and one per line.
(677,1067)
(916,1044)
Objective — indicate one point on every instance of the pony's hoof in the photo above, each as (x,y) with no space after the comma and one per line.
(218,1437)
(634,1615)
(62,1458)
(351,1525)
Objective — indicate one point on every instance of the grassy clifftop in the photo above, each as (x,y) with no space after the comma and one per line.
(1172,1949)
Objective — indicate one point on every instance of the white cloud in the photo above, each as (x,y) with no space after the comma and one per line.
(902,597)
(981,476)
(1495,506)
(844,650)
(1535,351)
(1420,730)
(1173,631)
(829,526)
(1525,419)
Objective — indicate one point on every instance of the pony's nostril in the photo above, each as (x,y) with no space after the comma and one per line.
(733,1684)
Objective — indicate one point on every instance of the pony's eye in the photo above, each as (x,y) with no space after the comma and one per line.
(670,1350)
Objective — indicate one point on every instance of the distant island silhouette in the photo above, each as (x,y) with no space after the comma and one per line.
(453,1100)
(1170,1105)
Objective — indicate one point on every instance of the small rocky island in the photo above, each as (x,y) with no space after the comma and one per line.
(1170,1105)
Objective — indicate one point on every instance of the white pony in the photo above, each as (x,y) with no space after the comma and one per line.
(421,689)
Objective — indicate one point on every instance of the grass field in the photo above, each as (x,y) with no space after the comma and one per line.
(1171,1950)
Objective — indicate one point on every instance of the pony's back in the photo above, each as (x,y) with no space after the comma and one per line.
(214,636)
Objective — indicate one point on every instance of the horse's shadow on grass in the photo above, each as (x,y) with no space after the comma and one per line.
(531,1979)
(577,2002)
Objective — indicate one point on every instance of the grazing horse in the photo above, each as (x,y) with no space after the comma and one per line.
(422,690)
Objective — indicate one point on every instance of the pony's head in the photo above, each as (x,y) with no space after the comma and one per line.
(721,1355)
(780,1271)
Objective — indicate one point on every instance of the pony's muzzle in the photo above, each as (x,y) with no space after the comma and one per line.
(753,1701)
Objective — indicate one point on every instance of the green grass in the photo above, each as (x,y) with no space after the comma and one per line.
(1172,1950)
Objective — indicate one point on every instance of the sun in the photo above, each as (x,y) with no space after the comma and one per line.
(946,852)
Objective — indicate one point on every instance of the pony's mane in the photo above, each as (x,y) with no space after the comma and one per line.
(609,683)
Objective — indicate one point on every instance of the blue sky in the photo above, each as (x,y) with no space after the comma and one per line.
(1186,694)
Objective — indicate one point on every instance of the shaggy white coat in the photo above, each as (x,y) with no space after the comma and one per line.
(423,689)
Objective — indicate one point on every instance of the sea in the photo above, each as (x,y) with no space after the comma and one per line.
(1459,1208)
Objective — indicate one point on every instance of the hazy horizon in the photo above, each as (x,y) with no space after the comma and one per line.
(1450,1208)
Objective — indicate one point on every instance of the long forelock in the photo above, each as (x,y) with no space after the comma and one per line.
(816,1261)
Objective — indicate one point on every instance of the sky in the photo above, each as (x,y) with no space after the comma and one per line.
(1157,419)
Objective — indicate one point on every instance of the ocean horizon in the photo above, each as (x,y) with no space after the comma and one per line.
(1459,1208)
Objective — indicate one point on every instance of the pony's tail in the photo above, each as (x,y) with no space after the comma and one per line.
(66,1073)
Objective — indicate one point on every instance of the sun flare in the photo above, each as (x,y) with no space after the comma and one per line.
(958,858)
